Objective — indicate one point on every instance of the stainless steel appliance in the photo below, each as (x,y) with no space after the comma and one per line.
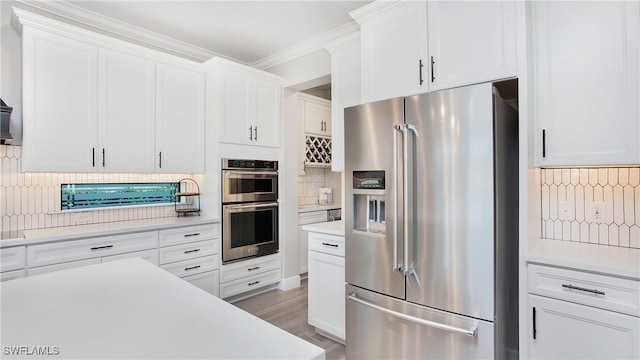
(249,209)
(431,226)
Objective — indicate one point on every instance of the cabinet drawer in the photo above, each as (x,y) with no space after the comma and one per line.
(149,255)
(188,251)
(606,292)
(48,254)
(11,275)
(327,244)
(208,281)
(188,234)
(12,258)
(249,283)
(62,266)
(193,266)
(251,267)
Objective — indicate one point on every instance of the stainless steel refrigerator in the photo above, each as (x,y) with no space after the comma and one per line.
(431,226)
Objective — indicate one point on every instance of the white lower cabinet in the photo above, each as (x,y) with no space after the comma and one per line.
(62,266)
(207,281)
(306,218)
(11,275)
(12,258)
(248,275)
(576,315)
(149,255)
(327,284)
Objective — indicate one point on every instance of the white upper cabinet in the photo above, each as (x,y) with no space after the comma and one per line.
(470,42)
(179,120)
(316,114)
(345,90)
(60,78)
(126,113)
(394,49)
(586,78)
(247,104)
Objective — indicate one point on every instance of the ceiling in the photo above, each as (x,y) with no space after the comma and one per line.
(244,31)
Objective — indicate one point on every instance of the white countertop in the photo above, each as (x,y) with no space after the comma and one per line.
(617,261)
(332,228)
(83,231)
(317,207)
(133,309)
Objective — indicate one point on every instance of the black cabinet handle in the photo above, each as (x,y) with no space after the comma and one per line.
(250,133)
(328,244)
(253,268)
(102,247)
(534,323)
(544,142)
(433,65)
(254,283)
(593,291)
(255,133)
(190,235)
(192,268)
(420,66)
(160,161)
(192,251)
(103,162)
(93,157)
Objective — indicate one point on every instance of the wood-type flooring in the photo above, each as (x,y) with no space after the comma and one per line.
(288,311)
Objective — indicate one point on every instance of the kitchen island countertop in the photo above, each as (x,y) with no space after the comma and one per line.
(331,228)
(132,309)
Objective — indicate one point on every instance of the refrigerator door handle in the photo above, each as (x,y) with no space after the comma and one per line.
(405,159)
(470,332)
(396,128)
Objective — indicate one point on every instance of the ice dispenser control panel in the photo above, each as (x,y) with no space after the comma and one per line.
(369,206)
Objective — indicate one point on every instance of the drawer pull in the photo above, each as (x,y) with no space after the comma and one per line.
(102,247)
(332,245)
(191,251)
(253,268)
(593,291)
(190,235)
(192,268)
(254,283)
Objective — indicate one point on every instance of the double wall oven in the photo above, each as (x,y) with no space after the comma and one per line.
(249,208)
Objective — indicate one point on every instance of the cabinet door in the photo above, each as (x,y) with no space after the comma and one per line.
(235,105)
(60,98)
(586,82)
(327,293)
(394,46)
(208,281)
(563,330)
(126,113)
(267,110)
(317,118)
(303,250)
(470,42)
(179,120)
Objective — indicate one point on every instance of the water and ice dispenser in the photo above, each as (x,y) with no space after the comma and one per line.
(369,201)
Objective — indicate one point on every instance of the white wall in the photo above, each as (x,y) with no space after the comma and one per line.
(306,71)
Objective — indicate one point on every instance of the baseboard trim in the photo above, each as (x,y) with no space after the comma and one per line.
(289,283)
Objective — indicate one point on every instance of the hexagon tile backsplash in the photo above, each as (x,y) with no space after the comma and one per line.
(32,200)
(593,205)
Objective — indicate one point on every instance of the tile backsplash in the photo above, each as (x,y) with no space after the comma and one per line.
(592,205)
(313,180)
(32,200)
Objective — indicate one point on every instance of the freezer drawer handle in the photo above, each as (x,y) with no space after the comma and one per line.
(594,291)
(471,332)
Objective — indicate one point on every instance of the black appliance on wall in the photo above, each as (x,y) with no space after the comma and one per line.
(249,208)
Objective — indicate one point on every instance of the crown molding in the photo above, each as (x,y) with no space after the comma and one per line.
(347,41)
(362,14)
(92,20)
(308,46)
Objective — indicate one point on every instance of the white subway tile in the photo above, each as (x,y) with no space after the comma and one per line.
(557,176)
(571,203)
(545,202)
(608,204)
(20,225)
(602,176)
(27,222)
(575,176)
(575,231)
(593,233)
(557,229)
(566,230)
(3,151)
(584,177)
(548,231)
(9,201)
(613,176)
(566,176)
(598,195)
(634,176)
(623,176)
(17,201)
(6,171)
(624,235)
(634,237)
(603,236)
(637,203)
(618,204)
(579,202)
(14,172)
(629,213)
(3,200)
(593,177)
(613,235)
(553,202)
(548,176)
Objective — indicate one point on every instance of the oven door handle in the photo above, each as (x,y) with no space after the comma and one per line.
(254,173)
(232,207)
